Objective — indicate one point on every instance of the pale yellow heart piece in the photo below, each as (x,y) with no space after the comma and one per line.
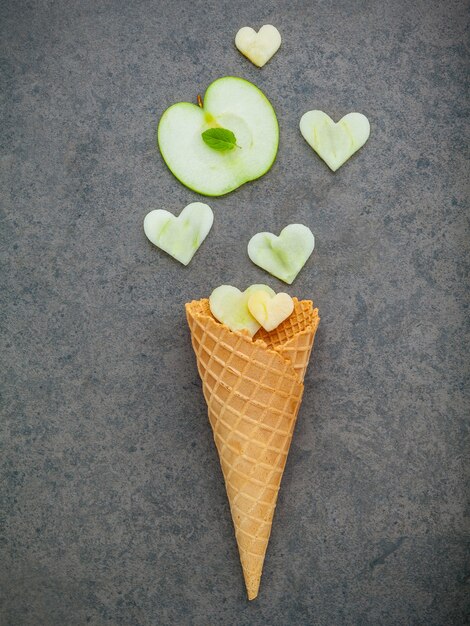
(229,306)
(260,46)
(335,142)
(270,311)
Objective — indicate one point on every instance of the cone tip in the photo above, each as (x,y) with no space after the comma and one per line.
(252,583)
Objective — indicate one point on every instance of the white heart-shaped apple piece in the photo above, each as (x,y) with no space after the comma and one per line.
(270,311)
(282,256)
(179,236)
(334,142)
(229,306)
(259,46)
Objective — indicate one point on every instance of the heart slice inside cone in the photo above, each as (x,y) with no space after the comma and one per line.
(248,311)
(270,311)
(229,306)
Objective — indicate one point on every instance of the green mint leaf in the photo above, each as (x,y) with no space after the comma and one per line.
(220,139)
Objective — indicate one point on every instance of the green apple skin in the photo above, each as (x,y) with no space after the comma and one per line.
(232,103)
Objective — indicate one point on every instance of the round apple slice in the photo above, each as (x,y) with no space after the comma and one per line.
(232,104)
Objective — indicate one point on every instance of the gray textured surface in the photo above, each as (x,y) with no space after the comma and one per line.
(114,510)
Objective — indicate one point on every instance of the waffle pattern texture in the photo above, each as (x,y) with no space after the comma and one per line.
(253,389)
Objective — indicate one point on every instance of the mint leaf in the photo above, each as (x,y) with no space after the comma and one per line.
(220,139)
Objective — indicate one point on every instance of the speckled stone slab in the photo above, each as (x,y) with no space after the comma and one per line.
(113,508)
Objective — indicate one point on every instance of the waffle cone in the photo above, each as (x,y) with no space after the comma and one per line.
(253,389)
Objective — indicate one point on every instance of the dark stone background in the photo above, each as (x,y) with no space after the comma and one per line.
(113,509)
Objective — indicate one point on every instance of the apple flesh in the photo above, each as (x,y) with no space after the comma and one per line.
(335,143)
(231,103)
(229,306)
(270,311)
(282,256)
(180,236)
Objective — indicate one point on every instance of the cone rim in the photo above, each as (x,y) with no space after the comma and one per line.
(261,343)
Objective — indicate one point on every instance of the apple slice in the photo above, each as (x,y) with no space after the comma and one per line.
(232,104)
(260,46)
(334,143)
(179,236)
(229,306)
(270,311)
(282,256)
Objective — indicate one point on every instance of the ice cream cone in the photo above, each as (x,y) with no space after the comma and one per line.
(253,389)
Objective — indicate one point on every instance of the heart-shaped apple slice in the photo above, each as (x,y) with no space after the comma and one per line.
(260,46)
(179,236)
(282,256)
(334,143)
(229,306)
(270,311)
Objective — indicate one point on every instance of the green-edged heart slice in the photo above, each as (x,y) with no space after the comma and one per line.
(334,143)
(229,306)
(232,104)
(282,256)
(179,236)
